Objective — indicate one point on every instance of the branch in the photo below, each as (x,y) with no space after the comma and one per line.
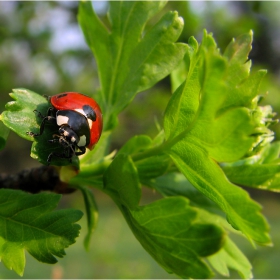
(44,178)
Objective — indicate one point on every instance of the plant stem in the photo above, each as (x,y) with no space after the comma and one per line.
(95,169)
(44,178)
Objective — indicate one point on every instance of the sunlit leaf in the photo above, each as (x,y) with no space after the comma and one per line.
(213,117)
(129,59)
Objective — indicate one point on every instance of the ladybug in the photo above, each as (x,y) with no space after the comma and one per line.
(79,121)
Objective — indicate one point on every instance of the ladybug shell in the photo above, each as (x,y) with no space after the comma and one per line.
(77,101)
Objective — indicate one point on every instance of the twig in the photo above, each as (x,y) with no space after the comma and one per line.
(44,178)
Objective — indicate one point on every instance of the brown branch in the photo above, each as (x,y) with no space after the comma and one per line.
(44,178)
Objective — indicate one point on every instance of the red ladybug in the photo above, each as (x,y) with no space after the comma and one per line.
(79,121)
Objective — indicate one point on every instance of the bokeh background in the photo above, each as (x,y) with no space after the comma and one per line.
(42,48)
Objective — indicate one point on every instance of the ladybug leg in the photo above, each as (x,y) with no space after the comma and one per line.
(82,151)
(42,126)
(59,139)
(48,118)
(47,97)
(50,112)
(39,114)
(69,149)
(65,155)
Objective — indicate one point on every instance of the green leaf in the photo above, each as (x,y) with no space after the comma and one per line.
(28,222)
(213,117)
(143,57)
(171,232)
(20,118)
(154,57)
(19,115)
(174,184)
(210,108)
(169,229)
(4,133)
(231,257)
(136,144)
(152,167)
(204,174)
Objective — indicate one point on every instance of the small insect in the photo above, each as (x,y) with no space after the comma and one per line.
(79,121)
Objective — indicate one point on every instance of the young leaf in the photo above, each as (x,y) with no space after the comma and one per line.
(212,117)
(260,171)
(20,117)
(28,222)
(143,59)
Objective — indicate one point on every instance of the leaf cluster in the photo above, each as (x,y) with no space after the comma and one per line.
(215,138)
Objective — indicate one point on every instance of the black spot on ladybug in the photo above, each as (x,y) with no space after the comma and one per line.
(61,95)
(89,112)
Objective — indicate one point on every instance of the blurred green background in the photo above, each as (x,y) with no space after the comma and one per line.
(42,48)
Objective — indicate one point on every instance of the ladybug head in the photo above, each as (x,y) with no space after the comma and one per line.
(66,137)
